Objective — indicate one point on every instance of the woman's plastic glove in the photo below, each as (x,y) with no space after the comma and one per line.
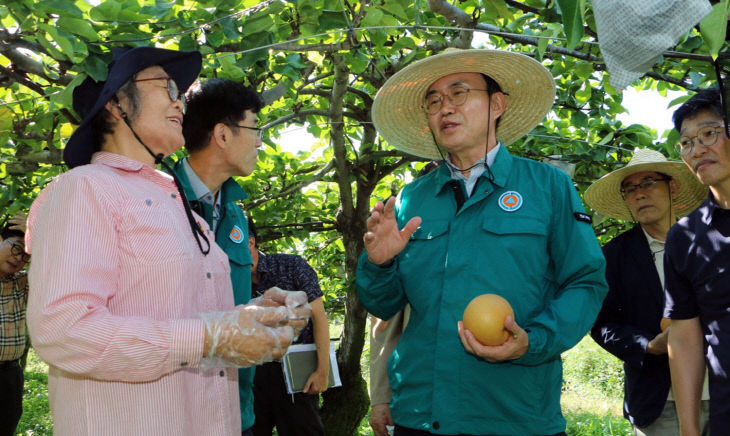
(249,336)
(295,302)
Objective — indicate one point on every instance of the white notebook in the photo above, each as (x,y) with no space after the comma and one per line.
(300,361)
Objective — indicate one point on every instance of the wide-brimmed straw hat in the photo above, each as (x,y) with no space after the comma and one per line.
(90,96)
(400,119)
(604,195)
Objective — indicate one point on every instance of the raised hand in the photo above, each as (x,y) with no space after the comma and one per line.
(18,221)
(383,240)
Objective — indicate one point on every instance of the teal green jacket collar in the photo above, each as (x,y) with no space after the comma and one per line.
(230,190)
(500,169)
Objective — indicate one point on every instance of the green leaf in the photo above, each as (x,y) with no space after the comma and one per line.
(60,7)
(65,98)
(6,120)
(230,69)
(187,43)
(295,60)
(332,20)
(215,38)
(606,139)
(714,27)
(378,36)
(64,43)
(374,17)
(229,28)
(405,42)
(107,10)
(357,61)
(501,8)
(275,8)
(573,12)
(579,119)
(678,100)
(542,44)
(583,94)
(396,10)
(490,12)
(52,50)
(258,24)
(78,27)
(584,70)
(95,68)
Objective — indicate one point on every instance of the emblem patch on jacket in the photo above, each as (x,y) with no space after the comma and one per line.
(510,201)
(236,235)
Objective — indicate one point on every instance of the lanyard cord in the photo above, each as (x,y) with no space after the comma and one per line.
(197,231)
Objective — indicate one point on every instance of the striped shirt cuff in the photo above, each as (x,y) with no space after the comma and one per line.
(187,341)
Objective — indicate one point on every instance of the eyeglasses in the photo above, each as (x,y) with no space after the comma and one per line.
(457,96)
(706,136)
(172,90)
(259,131)
(19,250)
(630,190)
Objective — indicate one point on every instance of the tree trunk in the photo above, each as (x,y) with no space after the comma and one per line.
(344,408)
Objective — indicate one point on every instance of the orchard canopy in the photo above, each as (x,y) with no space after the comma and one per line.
(318,64)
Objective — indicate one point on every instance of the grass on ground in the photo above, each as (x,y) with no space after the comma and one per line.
(591,400)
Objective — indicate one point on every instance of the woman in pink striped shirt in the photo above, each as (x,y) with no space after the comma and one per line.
(132,312)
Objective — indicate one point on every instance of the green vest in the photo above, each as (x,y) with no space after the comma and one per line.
(232,236)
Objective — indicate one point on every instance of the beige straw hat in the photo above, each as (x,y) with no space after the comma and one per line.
(399,117)
(604,195)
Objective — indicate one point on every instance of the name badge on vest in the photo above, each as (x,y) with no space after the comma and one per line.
(236,235)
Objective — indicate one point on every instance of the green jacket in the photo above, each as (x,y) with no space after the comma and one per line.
(232,236)
(536,250)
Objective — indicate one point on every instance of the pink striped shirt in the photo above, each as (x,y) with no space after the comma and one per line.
(116,282)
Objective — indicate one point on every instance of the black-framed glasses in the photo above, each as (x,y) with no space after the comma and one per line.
(19,250)
(259,131)
(172,90)
(706,136)
(631,189)
(457,95)
(722,71)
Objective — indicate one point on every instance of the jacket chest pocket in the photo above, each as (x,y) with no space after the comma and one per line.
(516,243)
(515,226)
(432,229)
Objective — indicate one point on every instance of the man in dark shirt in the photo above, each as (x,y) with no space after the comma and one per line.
(298,414)
(697,268)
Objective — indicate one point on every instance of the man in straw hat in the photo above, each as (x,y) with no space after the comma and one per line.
(483,222)
(697,268)
(651,191)
(135,317)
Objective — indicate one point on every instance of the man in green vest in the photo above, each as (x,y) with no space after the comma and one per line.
(222,139)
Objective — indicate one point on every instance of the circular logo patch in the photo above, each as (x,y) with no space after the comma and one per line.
(510,201)
(236,235)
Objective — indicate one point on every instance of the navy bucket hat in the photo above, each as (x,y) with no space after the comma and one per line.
(91,96)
